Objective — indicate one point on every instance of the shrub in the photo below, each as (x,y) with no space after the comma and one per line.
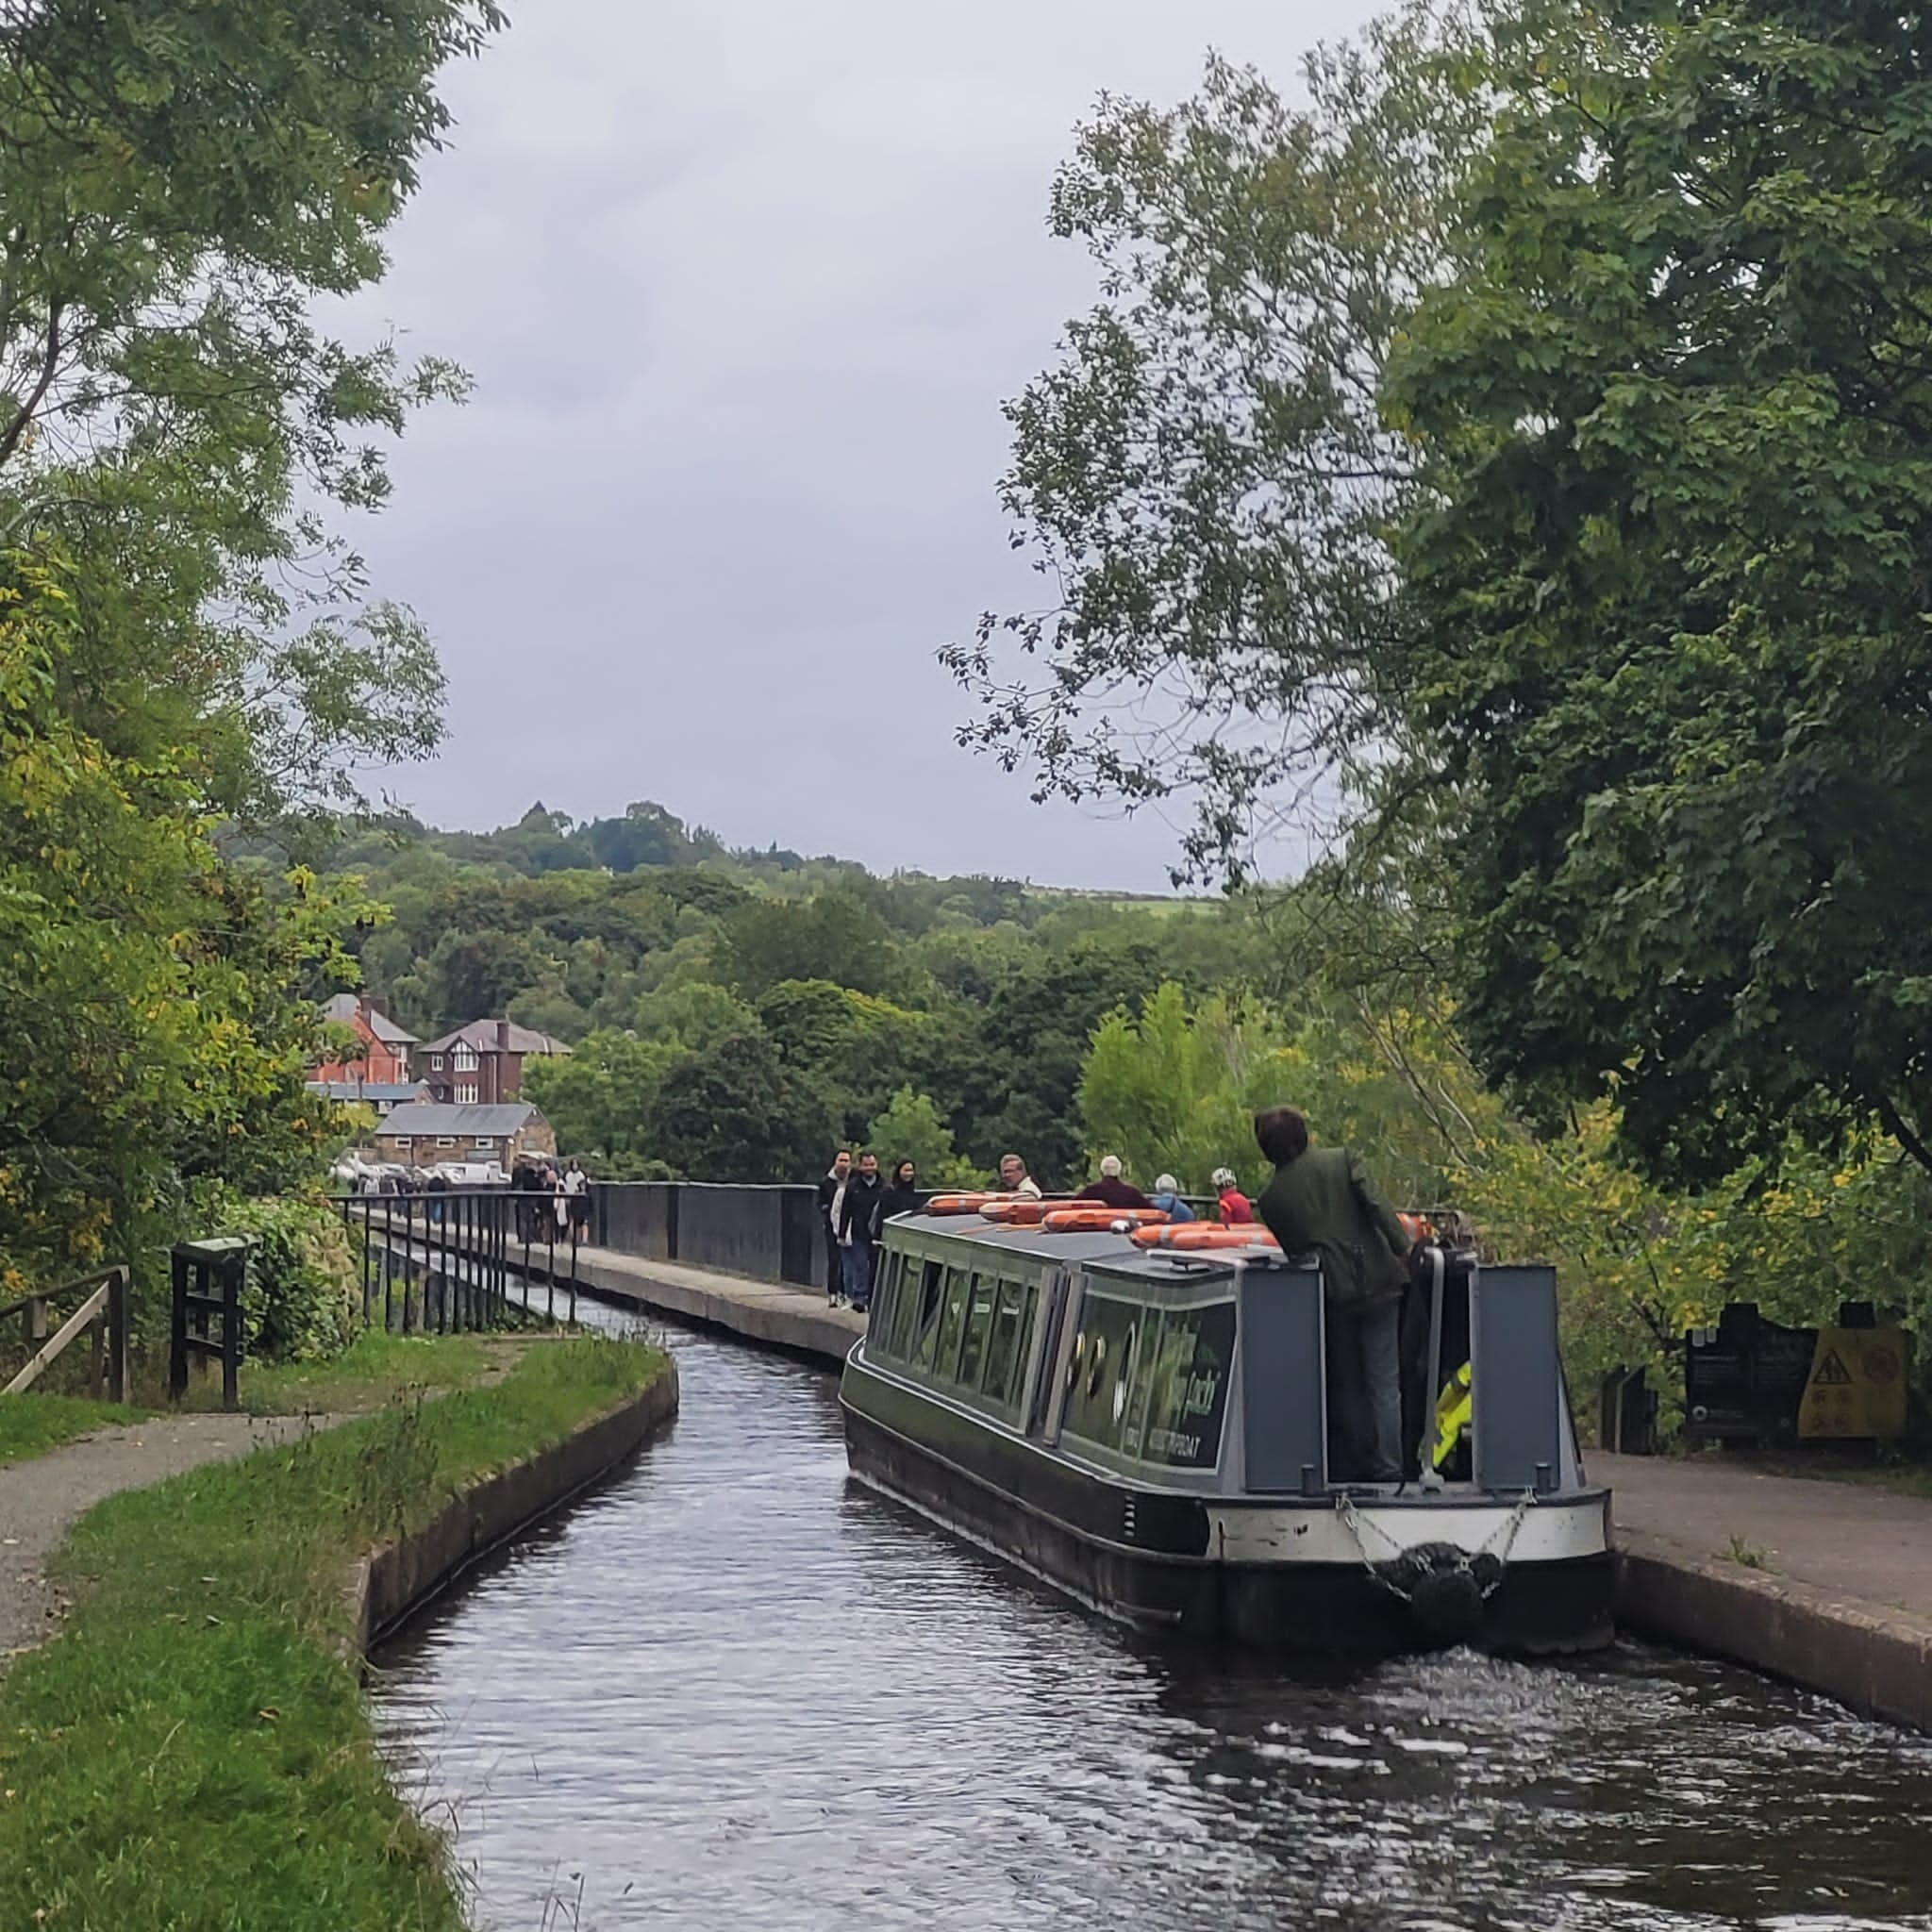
(303,1300)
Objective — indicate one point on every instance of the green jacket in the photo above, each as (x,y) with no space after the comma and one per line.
(1323,1205)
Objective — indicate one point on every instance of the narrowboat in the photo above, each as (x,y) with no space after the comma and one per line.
(1147,1431)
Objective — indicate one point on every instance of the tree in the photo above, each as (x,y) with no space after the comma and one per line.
(185,645)
(601,1098)
(832,937)
(731,1115)
(1206,478)
(1176,1090)
(912,1128)
(1670,594)
(848,1050)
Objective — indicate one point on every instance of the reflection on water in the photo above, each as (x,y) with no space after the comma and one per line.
(733,1689)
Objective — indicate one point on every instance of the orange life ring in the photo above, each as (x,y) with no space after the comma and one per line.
(1417,1227)
(962,1204)
(1021,1212)
(1099,1218)
(1183,1235)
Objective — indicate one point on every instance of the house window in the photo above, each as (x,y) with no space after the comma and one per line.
(484,1145)
(466,1093)
(446,1140)
(435,1061)
(464,1059)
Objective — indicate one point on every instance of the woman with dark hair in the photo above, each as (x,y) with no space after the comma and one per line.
(902,1191)
(1320,1203)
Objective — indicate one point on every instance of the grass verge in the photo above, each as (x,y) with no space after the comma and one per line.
(32,1424)
(193,1752)
(377,1370)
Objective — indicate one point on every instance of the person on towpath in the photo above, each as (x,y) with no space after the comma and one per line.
(1319,1202)
(831,1199)
(862,1207)
(1167,1197)
(1110,1189)
(1014,1179)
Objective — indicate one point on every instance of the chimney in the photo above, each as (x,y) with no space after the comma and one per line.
(377,1003)
(503,1035)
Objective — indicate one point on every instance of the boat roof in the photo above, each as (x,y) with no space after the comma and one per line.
(1101,1248)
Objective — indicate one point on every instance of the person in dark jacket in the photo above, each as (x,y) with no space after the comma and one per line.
(902,1191)
(831,1198)
(1320,1203)
(1111,1189)
(861,1213)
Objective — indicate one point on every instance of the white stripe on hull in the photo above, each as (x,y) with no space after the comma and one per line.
(1552,1531)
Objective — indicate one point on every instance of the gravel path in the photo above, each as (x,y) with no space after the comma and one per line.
(41,1497)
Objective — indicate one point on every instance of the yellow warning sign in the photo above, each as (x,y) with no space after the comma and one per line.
(1857,1386)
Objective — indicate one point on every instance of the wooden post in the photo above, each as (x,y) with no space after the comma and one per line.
(177,1327)
(232,1271)
(117,1335)
(35,1315)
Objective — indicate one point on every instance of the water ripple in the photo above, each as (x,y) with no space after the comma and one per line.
(733,1689)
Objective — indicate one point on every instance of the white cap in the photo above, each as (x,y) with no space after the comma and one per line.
(1110,1167)
(1167,1185)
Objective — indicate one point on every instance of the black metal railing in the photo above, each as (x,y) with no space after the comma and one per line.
(446,1261)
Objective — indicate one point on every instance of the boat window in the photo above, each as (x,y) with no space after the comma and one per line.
(952,1320)
(979,1320)
(1001,1349)
(1184,1387)
(884,1297)
(1100,1375)
(916,1316)
(1030,1298)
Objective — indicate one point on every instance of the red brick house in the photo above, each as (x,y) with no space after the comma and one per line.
(384,1060)
(482,1065)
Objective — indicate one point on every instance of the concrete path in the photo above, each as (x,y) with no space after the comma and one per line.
(1849,1539)
(789,1318)
(41,1496)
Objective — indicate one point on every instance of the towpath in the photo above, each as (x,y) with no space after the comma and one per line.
(41,1496)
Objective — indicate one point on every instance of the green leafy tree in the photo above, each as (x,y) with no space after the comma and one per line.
(1670,595)
(833,937)
(1176,1090)
(186,644)
(600,1099)
(912,1128)
(730,1114)
(1205,476)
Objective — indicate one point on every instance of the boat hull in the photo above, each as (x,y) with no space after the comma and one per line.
(1149,1558)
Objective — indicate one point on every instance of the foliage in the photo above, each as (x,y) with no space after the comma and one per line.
(1670,594)
(207,1674)
(912,1128)
(185,645)
(733,1115)
(834,937)
(602,1098)
(1175,1090)
(1205,476)
(303,1298)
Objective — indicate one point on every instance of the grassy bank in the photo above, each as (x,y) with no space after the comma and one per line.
(194,1751)
(378,1369)
(32,1424)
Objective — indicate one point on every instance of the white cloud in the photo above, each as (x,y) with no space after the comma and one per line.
(742,285)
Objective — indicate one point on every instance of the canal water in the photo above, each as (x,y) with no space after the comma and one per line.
(732,1690)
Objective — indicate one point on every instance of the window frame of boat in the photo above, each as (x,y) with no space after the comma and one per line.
(1010,1291)
(1152,1299)
(986,1282)
(947,1347)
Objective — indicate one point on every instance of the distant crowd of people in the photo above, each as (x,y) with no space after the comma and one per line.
(1319,1202)
(855,1200)
(552,1203)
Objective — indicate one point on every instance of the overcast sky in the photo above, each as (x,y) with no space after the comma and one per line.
(743,283)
